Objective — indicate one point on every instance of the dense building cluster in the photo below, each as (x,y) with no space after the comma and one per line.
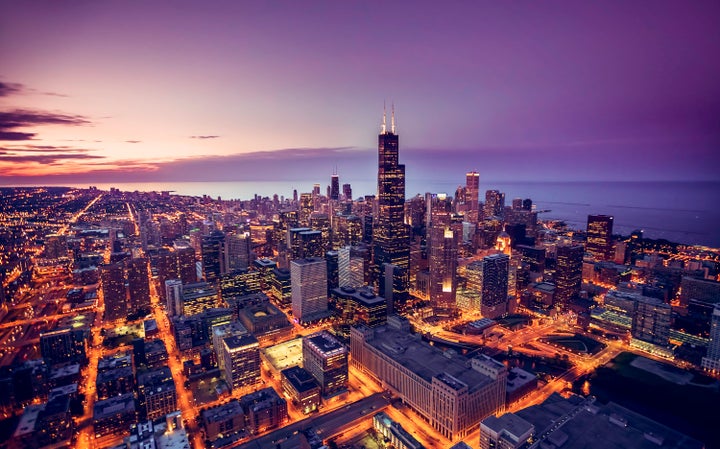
(151,317)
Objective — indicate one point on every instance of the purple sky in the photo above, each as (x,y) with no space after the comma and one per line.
(150,91)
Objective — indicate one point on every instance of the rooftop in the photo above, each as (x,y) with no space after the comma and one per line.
(425,360)
(300,379)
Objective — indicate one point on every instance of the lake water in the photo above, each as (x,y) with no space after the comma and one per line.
(685,212)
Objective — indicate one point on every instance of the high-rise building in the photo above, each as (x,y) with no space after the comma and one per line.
(157,395)
(568,272)
(174,297)
(334,187)
(651,321)
(599,237)
(442,256)
(112,280)
(306,208)
(213,263)
(241,361)
(237,251)
(390,236)
(472,192)
(347,192)
(494,203)
(198,297)
(327,360)
(186,267)
(711,361)
(351,268)
(489,277)
(138,284)
(308,278)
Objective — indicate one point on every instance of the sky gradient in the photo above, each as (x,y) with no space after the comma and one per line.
(172,91)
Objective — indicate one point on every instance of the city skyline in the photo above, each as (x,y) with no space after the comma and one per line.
(116,92)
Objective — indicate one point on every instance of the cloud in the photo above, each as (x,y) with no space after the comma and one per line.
(45,149)
(7,89)
(46,158)
(12,135)
(133,141)
(10,121)
(204,137)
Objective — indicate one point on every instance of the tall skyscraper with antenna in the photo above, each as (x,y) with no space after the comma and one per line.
(335,186)
(391,248)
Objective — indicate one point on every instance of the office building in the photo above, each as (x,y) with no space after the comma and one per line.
(112,281)
(391,239)
(494,204)
(327,360)
(490,278)
(156,393)
(711,361)
(472,192)
(302,388)
(114,415)
(138,284)
(507,431)
(354,306)
(443,239)
(351,267)
(568,273)
(651,321)
(264,410)
(213,259)
(198,297)
(237,251)
(241,361)
(599,242)
(223,420)
(309,289)
(185,259)
(239,282)
(334,187)
(174,297)
(451,393)
(64,345)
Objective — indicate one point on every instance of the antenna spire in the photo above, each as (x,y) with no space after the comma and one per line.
(383,128)
(392,119)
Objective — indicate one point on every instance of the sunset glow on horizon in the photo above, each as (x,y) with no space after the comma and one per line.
(185,90)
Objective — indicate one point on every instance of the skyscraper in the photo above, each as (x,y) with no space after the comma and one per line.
(568,273)
(490,278)
(213,264)
(390,236)
(308,278)
(112,280)
(599,237)
(711,361)
(334,187)
(494,203)
(138,284)
(327,360)
(442,255)
(472,191)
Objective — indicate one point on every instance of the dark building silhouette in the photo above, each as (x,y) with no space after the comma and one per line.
(599,237)
(138,284)
(568,272)
(112,281)
(390,236)
(212,256)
